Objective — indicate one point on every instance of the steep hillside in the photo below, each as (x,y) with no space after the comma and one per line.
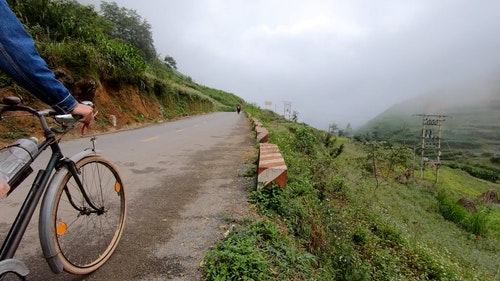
(107,58)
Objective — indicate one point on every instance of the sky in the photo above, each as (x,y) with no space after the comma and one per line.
(331,61)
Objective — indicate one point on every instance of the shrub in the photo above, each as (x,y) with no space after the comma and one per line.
(478,172)
(475,223)
(267,200)
(237,258)
(258,251)
(305,141)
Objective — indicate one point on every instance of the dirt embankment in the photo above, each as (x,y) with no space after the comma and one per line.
(126,104)
(113,101)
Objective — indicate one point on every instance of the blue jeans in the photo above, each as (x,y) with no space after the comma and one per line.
(21,61)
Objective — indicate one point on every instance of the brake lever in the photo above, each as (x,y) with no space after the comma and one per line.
(67,120)
(88,103)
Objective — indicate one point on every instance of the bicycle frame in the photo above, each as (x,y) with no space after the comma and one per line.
(39,186)
(13,239)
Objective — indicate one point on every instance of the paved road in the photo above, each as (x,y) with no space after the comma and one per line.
(183,180)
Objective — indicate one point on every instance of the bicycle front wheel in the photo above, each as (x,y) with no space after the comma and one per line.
(84,232)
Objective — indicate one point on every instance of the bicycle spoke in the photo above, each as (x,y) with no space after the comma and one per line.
(88,235)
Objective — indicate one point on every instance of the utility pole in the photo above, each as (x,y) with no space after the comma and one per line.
(287,109)
(333,128)
(431,140)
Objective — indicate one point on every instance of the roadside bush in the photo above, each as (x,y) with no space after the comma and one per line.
(236,258)
(305,141)
(267,200)
(257,251)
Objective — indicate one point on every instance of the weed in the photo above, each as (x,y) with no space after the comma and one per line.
(258,251)
(267,200)
(15,135)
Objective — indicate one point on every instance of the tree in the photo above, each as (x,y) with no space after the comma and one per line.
(375,132)
(386,161)
(333,128)
(130,28)
(329,142)
(348,130)
(59,20)
(170,62)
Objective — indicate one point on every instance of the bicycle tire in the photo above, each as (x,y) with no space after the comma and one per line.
(82,241)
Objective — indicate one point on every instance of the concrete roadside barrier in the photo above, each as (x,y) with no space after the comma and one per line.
(262,134)
(256,122)
(272,167)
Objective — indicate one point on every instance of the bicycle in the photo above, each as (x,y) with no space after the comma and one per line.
(83,209)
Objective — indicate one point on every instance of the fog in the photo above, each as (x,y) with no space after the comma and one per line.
(333,61)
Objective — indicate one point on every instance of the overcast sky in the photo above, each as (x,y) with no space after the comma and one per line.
(334,61)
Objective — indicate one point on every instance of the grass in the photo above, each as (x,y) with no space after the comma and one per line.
(257,250)
(495,222)
(340,224)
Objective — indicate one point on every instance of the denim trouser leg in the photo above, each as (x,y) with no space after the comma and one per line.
(21,61)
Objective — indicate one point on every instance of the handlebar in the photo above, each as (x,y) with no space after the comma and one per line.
(65,121)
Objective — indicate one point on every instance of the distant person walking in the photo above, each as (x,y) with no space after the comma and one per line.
(238,108)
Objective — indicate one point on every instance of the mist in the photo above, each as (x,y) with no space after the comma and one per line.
(333,61)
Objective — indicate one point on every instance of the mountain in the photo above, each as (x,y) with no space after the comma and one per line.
(471,120)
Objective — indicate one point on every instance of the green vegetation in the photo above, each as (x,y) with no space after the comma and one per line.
(238,258)
(336,221)
(470,132)
(350,211)
(114,48)
(478,172)
(473,222)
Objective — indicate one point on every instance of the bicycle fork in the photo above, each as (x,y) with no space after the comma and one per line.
(76,176)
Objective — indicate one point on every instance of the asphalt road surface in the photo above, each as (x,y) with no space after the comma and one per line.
(183,180)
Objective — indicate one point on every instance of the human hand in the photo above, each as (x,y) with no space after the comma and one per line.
(4,188)
(87,116)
